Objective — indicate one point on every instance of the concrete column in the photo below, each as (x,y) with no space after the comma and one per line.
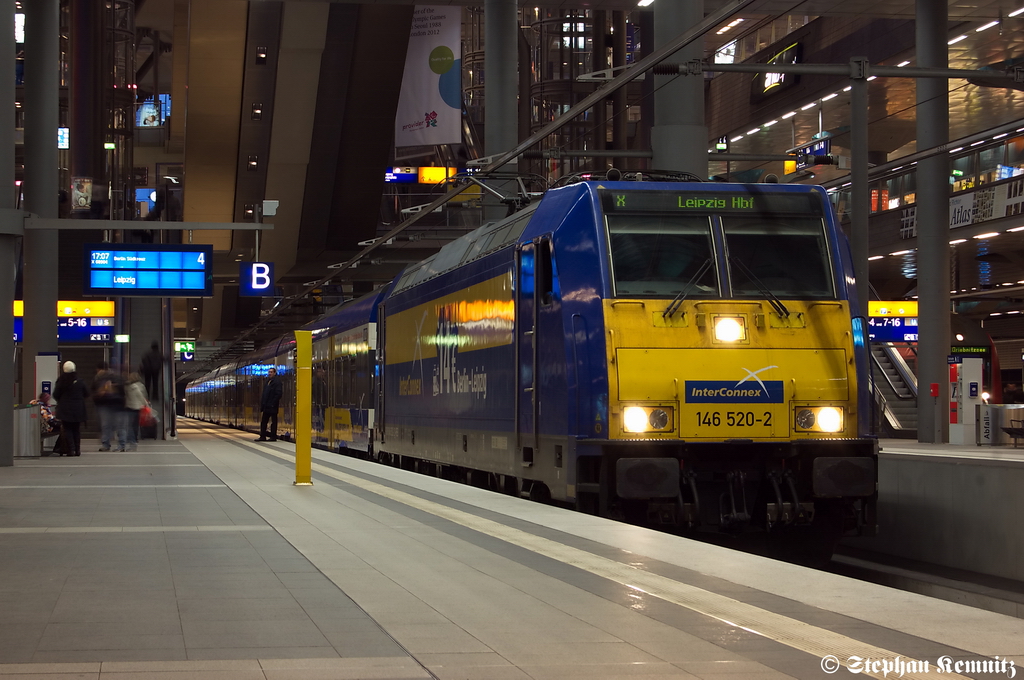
(679,138)
(8,241)
(39,279)
(933,225)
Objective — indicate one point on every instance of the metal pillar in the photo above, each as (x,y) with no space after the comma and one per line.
(501,32)
(645,19)
(39,272)
(620,116)
(8,237)
(501,89)
(168,395)
(932,225)
(679,137)
(599,33)
(861,196)
(86,103)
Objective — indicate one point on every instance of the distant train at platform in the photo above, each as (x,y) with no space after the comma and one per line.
(668,353)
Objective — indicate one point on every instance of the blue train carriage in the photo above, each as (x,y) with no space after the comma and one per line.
(344,374)
(677,353)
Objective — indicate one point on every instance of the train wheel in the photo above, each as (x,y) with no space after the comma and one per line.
(811,545)
(510,485)
(540,493)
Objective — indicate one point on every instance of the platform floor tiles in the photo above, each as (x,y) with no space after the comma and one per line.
(198,558)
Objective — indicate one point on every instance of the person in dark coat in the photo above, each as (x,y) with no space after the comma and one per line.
(71,393)
(108,395)
(152,363)
(269,402)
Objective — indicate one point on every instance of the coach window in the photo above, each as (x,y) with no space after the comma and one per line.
(336,383)
(346,378)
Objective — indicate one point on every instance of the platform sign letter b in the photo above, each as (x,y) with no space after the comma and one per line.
(256,279)
(260,276)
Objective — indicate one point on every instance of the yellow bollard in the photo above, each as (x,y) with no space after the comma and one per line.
(303,408)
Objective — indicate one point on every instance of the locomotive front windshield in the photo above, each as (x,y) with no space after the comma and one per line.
(728,243)
(662,254)
(787,256)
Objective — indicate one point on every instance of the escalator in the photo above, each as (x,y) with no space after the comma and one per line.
(895,390)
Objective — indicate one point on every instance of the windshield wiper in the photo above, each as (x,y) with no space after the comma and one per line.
(775,302)
(677,301)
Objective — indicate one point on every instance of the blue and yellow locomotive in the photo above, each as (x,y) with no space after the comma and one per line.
(673,353)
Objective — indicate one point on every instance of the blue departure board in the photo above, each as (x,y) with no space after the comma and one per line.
(130,270)
(892,329)
(76,329)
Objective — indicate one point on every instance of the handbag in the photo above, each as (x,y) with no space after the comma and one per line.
(62,447)
(147,417)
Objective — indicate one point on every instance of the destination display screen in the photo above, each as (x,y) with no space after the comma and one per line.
(749,201)
(183,270)
(892,329)
(76,329)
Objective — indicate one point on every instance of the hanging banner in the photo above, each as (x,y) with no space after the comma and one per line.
(430,103)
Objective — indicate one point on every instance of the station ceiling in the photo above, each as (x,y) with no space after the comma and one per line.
(988,272)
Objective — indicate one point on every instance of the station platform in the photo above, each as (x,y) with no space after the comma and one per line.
(199,559)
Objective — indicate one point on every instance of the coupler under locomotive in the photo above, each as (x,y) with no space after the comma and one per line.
(735,487)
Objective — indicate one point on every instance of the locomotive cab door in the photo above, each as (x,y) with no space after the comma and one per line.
(534,290)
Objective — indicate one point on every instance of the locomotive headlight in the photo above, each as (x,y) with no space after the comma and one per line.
(805,419)
(729,329)
(819,418)
(634,419)
(658,419)
(830,419)
(639,419)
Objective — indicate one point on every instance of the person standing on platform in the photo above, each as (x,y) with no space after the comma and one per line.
(108,395)
(152,364)
(71,393)
(269,402)
(135,398)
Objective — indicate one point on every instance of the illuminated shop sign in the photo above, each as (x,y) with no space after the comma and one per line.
(766,85)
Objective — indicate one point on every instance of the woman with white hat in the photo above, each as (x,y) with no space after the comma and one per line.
(71,393)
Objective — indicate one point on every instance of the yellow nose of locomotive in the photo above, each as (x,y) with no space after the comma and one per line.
(729,370)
